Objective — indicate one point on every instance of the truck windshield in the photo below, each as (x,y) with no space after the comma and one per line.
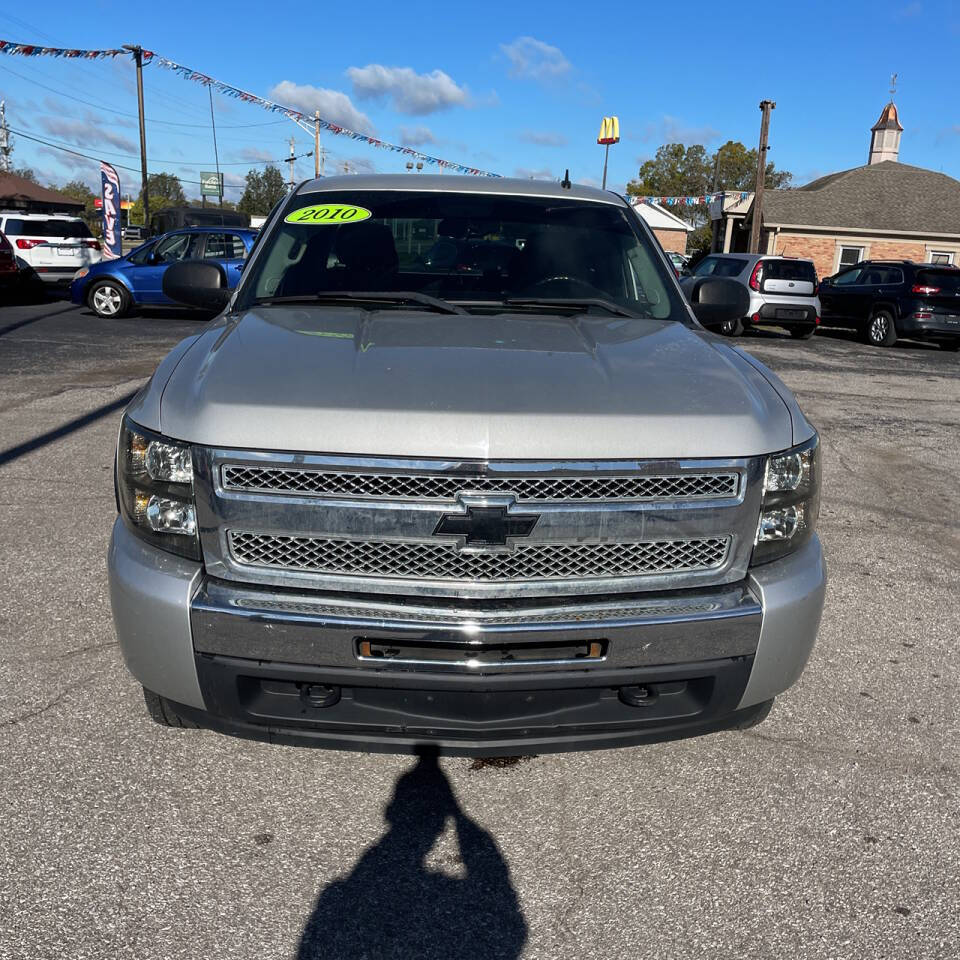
(473,249)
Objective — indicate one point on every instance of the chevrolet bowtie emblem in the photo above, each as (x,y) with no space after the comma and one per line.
(486,526)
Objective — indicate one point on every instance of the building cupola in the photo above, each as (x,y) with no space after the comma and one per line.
(885,135)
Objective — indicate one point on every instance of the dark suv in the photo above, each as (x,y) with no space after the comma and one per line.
(886,299)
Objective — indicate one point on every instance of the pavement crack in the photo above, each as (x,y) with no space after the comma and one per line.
(69,655)
(32,714)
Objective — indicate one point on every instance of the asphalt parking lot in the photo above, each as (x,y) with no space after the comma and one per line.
(831,831)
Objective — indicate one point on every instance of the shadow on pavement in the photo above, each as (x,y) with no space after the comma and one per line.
(71,426)
(9,328)
(393,905)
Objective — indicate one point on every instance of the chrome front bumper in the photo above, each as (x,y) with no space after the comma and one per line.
(170,618)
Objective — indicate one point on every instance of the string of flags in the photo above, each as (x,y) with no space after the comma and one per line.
(230,91)
(32,50)
(698,201)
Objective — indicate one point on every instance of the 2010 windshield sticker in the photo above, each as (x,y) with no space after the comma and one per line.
(328,214)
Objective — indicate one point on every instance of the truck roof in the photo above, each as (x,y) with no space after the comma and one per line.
(498,186)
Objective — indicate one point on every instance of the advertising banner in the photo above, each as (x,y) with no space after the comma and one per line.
(110,199)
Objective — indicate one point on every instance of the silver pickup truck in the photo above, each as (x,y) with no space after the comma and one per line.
(457,464)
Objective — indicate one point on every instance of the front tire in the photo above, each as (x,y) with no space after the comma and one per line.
(109,299)
(162,712)
(881,330)
(731,328)
(804,332)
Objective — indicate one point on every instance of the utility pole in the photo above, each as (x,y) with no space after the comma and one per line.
(216,155)
(291,160)
(316,144)
(765,106)
(5,148)
(137,52)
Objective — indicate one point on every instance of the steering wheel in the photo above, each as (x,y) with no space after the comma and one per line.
(581,287)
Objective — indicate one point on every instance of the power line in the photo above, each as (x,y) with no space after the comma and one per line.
(122,166)
(133,116)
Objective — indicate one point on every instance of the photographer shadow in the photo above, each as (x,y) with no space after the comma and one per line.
(393,905)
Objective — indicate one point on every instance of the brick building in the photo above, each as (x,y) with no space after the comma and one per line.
(670,230)
(885,210)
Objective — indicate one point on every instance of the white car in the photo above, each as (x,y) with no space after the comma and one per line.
(55,245)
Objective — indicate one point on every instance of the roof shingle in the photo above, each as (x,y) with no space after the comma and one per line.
(888,196)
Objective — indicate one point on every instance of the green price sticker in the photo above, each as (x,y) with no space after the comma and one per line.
(328,214)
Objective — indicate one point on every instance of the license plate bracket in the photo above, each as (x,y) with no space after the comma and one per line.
(785,314)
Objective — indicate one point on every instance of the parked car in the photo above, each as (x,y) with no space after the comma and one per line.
(887,299)
(678,260)
(782,290)
(168,219)
(54,245)
(386,506)
(18,281)
(115,287)
(134,233)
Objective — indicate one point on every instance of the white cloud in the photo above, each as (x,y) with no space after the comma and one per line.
(411,93)
(332,104)
(544,138)
(85,133)
(524,173)
(535,59)
(418,136)
(255,155)
(673,130)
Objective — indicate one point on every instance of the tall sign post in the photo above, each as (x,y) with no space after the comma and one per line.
(211,185)
(609,133)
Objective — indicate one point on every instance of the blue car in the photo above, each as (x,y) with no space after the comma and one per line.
(116,287)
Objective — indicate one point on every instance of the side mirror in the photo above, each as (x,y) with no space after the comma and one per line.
(716,300)
(197,283)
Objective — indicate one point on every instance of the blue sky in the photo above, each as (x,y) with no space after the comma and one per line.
(515,88)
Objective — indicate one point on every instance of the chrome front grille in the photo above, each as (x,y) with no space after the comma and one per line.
(447,486)
(407,560)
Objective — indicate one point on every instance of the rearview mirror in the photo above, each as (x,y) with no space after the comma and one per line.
(716,300)
(197,283)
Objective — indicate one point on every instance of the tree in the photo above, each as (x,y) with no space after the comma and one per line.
(26,173)
(683,171)
(165,191)
(263,191)
(78,190)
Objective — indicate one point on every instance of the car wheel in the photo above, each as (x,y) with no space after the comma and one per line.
(731,328)
(161,711)
(881,330)
(803,333)
(108,299)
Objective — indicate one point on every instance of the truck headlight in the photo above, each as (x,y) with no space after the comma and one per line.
(791,502)
(155,490)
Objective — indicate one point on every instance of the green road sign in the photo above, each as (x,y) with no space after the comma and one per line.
(211,184)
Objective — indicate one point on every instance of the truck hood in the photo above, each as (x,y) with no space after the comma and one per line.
(415,384)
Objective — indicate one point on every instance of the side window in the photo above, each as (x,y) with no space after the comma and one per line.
(140,256)
(224,246)
(890,275)
(873,277)
(181,246)
(848,277)
(705,267)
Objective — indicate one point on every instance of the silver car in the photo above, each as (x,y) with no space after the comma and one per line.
(782,290)
(499,505)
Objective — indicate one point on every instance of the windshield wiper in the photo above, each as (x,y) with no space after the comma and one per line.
(358,296)
(581,304)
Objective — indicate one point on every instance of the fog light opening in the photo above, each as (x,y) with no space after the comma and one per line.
(318,694)
(639,695)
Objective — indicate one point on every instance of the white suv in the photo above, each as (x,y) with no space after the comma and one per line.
(55,245)
(783,290)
